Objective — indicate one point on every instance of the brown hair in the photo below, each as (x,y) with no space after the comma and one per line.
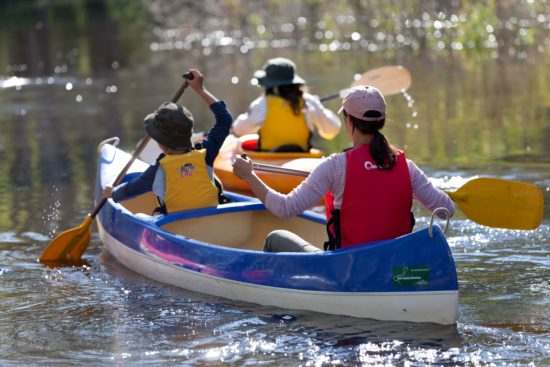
(291,93)
(383,153)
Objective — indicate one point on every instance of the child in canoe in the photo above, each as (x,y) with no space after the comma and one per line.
(372,185)
(284,116)
(182,178)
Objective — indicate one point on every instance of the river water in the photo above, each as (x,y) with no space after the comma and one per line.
(479,105)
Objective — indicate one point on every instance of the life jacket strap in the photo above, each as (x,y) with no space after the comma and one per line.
(333,231)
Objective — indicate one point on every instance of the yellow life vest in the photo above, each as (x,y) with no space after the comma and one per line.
(188,185)
(282,127)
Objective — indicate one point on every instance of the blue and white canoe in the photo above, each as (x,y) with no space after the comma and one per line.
(218,251)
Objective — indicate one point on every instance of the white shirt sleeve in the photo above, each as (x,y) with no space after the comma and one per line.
(324,120)
(251,121)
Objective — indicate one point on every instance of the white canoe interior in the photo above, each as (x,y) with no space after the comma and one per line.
(244,230)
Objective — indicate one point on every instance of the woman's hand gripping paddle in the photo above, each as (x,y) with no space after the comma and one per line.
(68,247)
(492,202)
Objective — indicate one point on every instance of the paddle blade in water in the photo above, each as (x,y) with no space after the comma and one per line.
(68,246)
(500,203)
(388,79)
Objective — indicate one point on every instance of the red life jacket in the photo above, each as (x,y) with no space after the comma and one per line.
(376,204)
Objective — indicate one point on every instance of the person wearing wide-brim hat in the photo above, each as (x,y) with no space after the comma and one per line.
(182,177)
(285,116)
(370,187)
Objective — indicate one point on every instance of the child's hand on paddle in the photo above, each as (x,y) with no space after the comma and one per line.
(197,84)
(107,192)
(198,80)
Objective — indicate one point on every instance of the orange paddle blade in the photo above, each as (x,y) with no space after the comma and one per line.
(500,203)
(68,246)
(388,79)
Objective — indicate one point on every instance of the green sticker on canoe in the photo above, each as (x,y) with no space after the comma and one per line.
(406,276)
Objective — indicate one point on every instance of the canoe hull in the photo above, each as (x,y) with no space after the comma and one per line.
(375,281)
(398,306)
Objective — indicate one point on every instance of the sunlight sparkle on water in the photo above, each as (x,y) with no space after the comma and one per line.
(379,354)
(448,183)
(543,288)
(111,89)
(214,354)
(14,82)
(35,236)
(9,237)
(51,216)
(424,355)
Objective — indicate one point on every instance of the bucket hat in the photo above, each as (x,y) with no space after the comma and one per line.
(278,71)
(170,125)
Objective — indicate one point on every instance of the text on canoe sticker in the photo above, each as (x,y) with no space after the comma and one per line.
(406,276)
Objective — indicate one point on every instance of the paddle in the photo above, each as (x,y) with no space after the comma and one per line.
(492,202)
(69,246)
(388,79)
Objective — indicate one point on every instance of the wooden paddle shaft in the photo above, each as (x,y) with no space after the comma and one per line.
(329,96)
(189,76)
(276,169)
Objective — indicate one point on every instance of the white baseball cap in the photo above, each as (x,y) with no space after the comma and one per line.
(363,98)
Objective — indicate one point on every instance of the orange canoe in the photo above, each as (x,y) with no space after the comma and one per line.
(279,182)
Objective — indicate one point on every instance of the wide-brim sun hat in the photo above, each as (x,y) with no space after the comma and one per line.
(278,71)
(362,99)
(170,125)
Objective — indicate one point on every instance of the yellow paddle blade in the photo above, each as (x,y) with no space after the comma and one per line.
(500,203)
(388,79)
(68,246)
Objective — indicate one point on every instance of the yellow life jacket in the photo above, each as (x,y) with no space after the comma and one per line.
(282,127)
(188,185)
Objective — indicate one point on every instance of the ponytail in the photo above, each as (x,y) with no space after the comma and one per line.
(383,153)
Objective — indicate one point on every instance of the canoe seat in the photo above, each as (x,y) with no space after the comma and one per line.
(244,229)
(236,225)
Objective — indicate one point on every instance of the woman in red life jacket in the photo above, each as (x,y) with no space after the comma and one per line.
(284,116)
(371,185)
